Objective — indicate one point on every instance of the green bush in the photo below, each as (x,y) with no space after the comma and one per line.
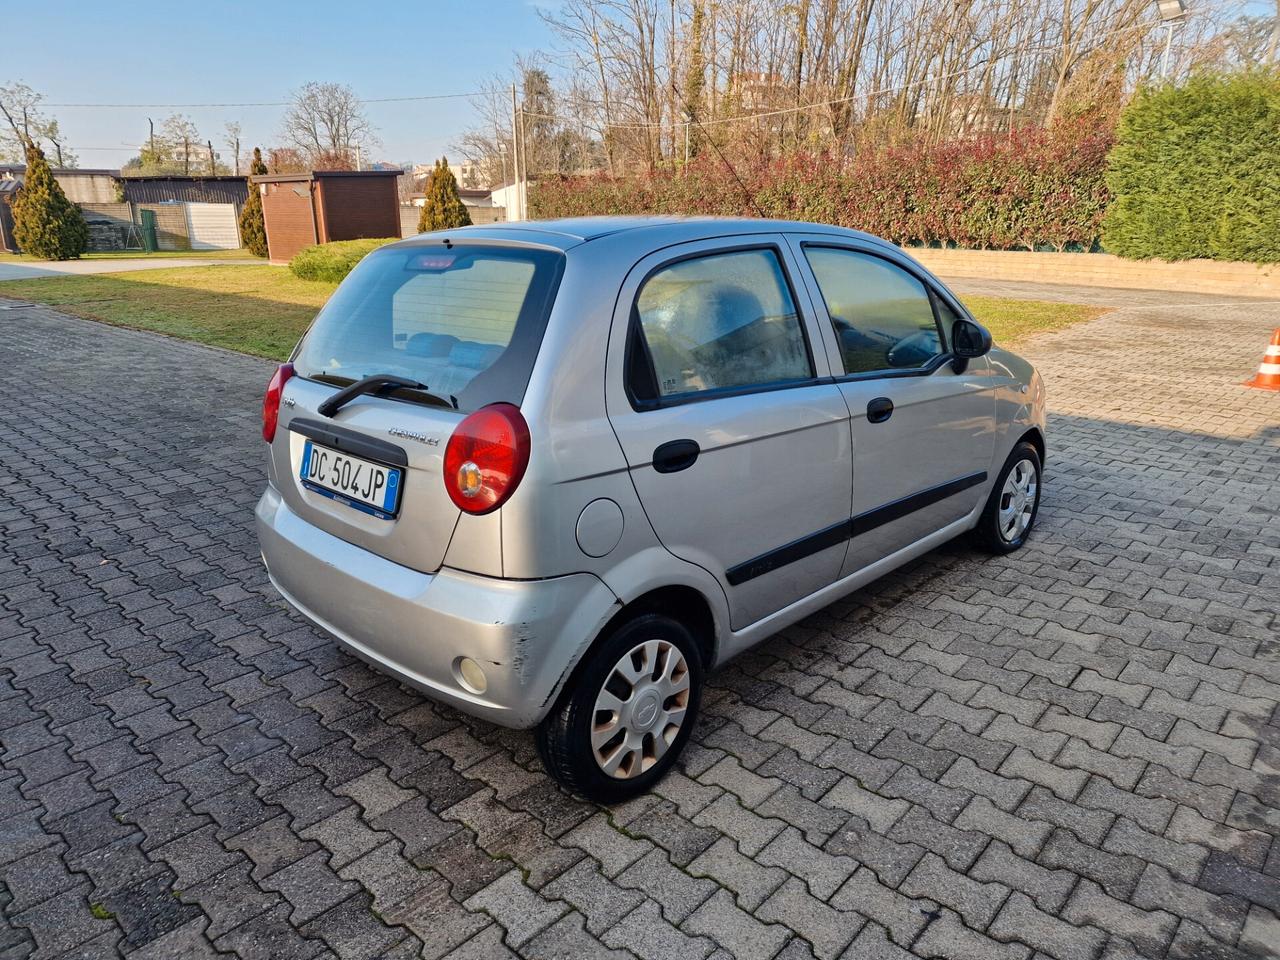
(333,261)
(442,207)
(1196,171)
(253,229)
(45,223)
(1030,189)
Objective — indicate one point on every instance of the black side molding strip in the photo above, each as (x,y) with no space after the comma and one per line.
(897,509)
(847,529)
(793,551)
(348,441)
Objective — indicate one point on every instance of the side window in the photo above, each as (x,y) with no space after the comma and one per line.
(883,316)
(717,322)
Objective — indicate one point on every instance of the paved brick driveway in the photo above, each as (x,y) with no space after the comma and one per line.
(1072,753)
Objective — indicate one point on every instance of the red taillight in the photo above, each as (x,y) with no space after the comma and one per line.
(486,457)
(271,402)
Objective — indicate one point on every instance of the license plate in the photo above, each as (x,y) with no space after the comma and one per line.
(361,484)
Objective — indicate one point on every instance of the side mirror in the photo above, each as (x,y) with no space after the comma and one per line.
(969,340)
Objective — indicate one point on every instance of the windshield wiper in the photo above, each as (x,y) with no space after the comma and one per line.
(380,384)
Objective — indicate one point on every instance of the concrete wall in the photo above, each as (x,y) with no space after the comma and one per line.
(171,224)
(491,214)
(214,225)
(1104,270)
(108,225)
(409,219)
(83,187)
(409,213)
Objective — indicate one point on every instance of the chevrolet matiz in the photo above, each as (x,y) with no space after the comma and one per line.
(552,473)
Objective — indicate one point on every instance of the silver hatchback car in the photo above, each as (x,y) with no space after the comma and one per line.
(552,473)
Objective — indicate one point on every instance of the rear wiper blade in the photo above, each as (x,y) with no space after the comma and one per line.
(379,384)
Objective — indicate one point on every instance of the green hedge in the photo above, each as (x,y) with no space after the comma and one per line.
(333,261)
(1196,171)
(1034,188)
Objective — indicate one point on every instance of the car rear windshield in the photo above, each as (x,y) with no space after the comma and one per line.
(464,321)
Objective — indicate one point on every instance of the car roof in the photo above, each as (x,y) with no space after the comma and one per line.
(569,232)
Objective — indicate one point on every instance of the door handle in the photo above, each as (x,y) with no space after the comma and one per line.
(675,455)
(879,410)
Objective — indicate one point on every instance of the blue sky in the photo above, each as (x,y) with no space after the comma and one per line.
(233,52)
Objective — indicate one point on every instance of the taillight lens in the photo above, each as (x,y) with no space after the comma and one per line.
(271,402)
(486,457)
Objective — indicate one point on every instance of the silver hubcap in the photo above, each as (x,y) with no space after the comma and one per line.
(1018,500)
(640,709)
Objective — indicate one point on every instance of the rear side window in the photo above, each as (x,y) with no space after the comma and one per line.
(883,316)
(465,321)
(720,322)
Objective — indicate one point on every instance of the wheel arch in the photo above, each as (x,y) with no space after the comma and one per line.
(681,602)
(1036,438)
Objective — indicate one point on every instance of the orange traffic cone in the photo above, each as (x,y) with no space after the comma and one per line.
(1268,377)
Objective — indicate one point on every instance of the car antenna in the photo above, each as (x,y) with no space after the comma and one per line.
(750,197)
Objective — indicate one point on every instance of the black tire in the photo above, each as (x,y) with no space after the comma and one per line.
(564,737)
(988,533)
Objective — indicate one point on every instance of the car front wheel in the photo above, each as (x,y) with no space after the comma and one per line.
(627,713)
(1011,509)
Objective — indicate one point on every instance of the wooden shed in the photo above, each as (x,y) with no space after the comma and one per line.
(301,209)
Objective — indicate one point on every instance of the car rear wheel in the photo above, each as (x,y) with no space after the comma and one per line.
(1011,509)
(627,713)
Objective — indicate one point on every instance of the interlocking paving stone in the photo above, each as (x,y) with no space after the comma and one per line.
(520,910)
(645,933)
(1020,921)
(976,902)
(826,929)
(948,937)
(1068,752)
(1150,931)
(735,930)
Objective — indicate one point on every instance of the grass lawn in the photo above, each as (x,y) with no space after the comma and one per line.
(1012,321)
(263,310)
(260,310)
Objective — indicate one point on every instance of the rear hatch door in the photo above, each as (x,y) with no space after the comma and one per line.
(452,328)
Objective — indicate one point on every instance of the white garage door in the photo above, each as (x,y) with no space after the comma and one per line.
(212,226)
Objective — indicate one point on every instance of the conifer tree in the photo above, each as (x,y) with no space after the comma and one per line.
(45,223)
(253,229)
(442,209)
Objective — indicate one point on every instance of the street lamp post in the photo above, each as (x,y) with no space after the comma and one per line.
(1172,13)
(687,117)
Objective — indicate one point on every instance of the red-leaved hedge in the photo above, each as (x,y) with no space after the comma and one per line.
(1034,188)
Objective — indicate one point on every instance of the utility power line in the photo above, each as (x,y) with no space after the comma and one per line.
(581,103)
(487,93)
(271,103)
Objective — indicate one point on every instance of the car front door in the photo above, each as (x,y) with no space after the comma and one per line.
(737,440)
(923,425)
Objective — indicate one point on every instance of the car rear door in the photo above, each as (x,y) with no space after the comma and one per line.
(923,430)
(738,442)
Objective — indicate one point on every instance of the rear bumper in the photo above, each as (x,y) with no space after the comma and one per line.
(526,635)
